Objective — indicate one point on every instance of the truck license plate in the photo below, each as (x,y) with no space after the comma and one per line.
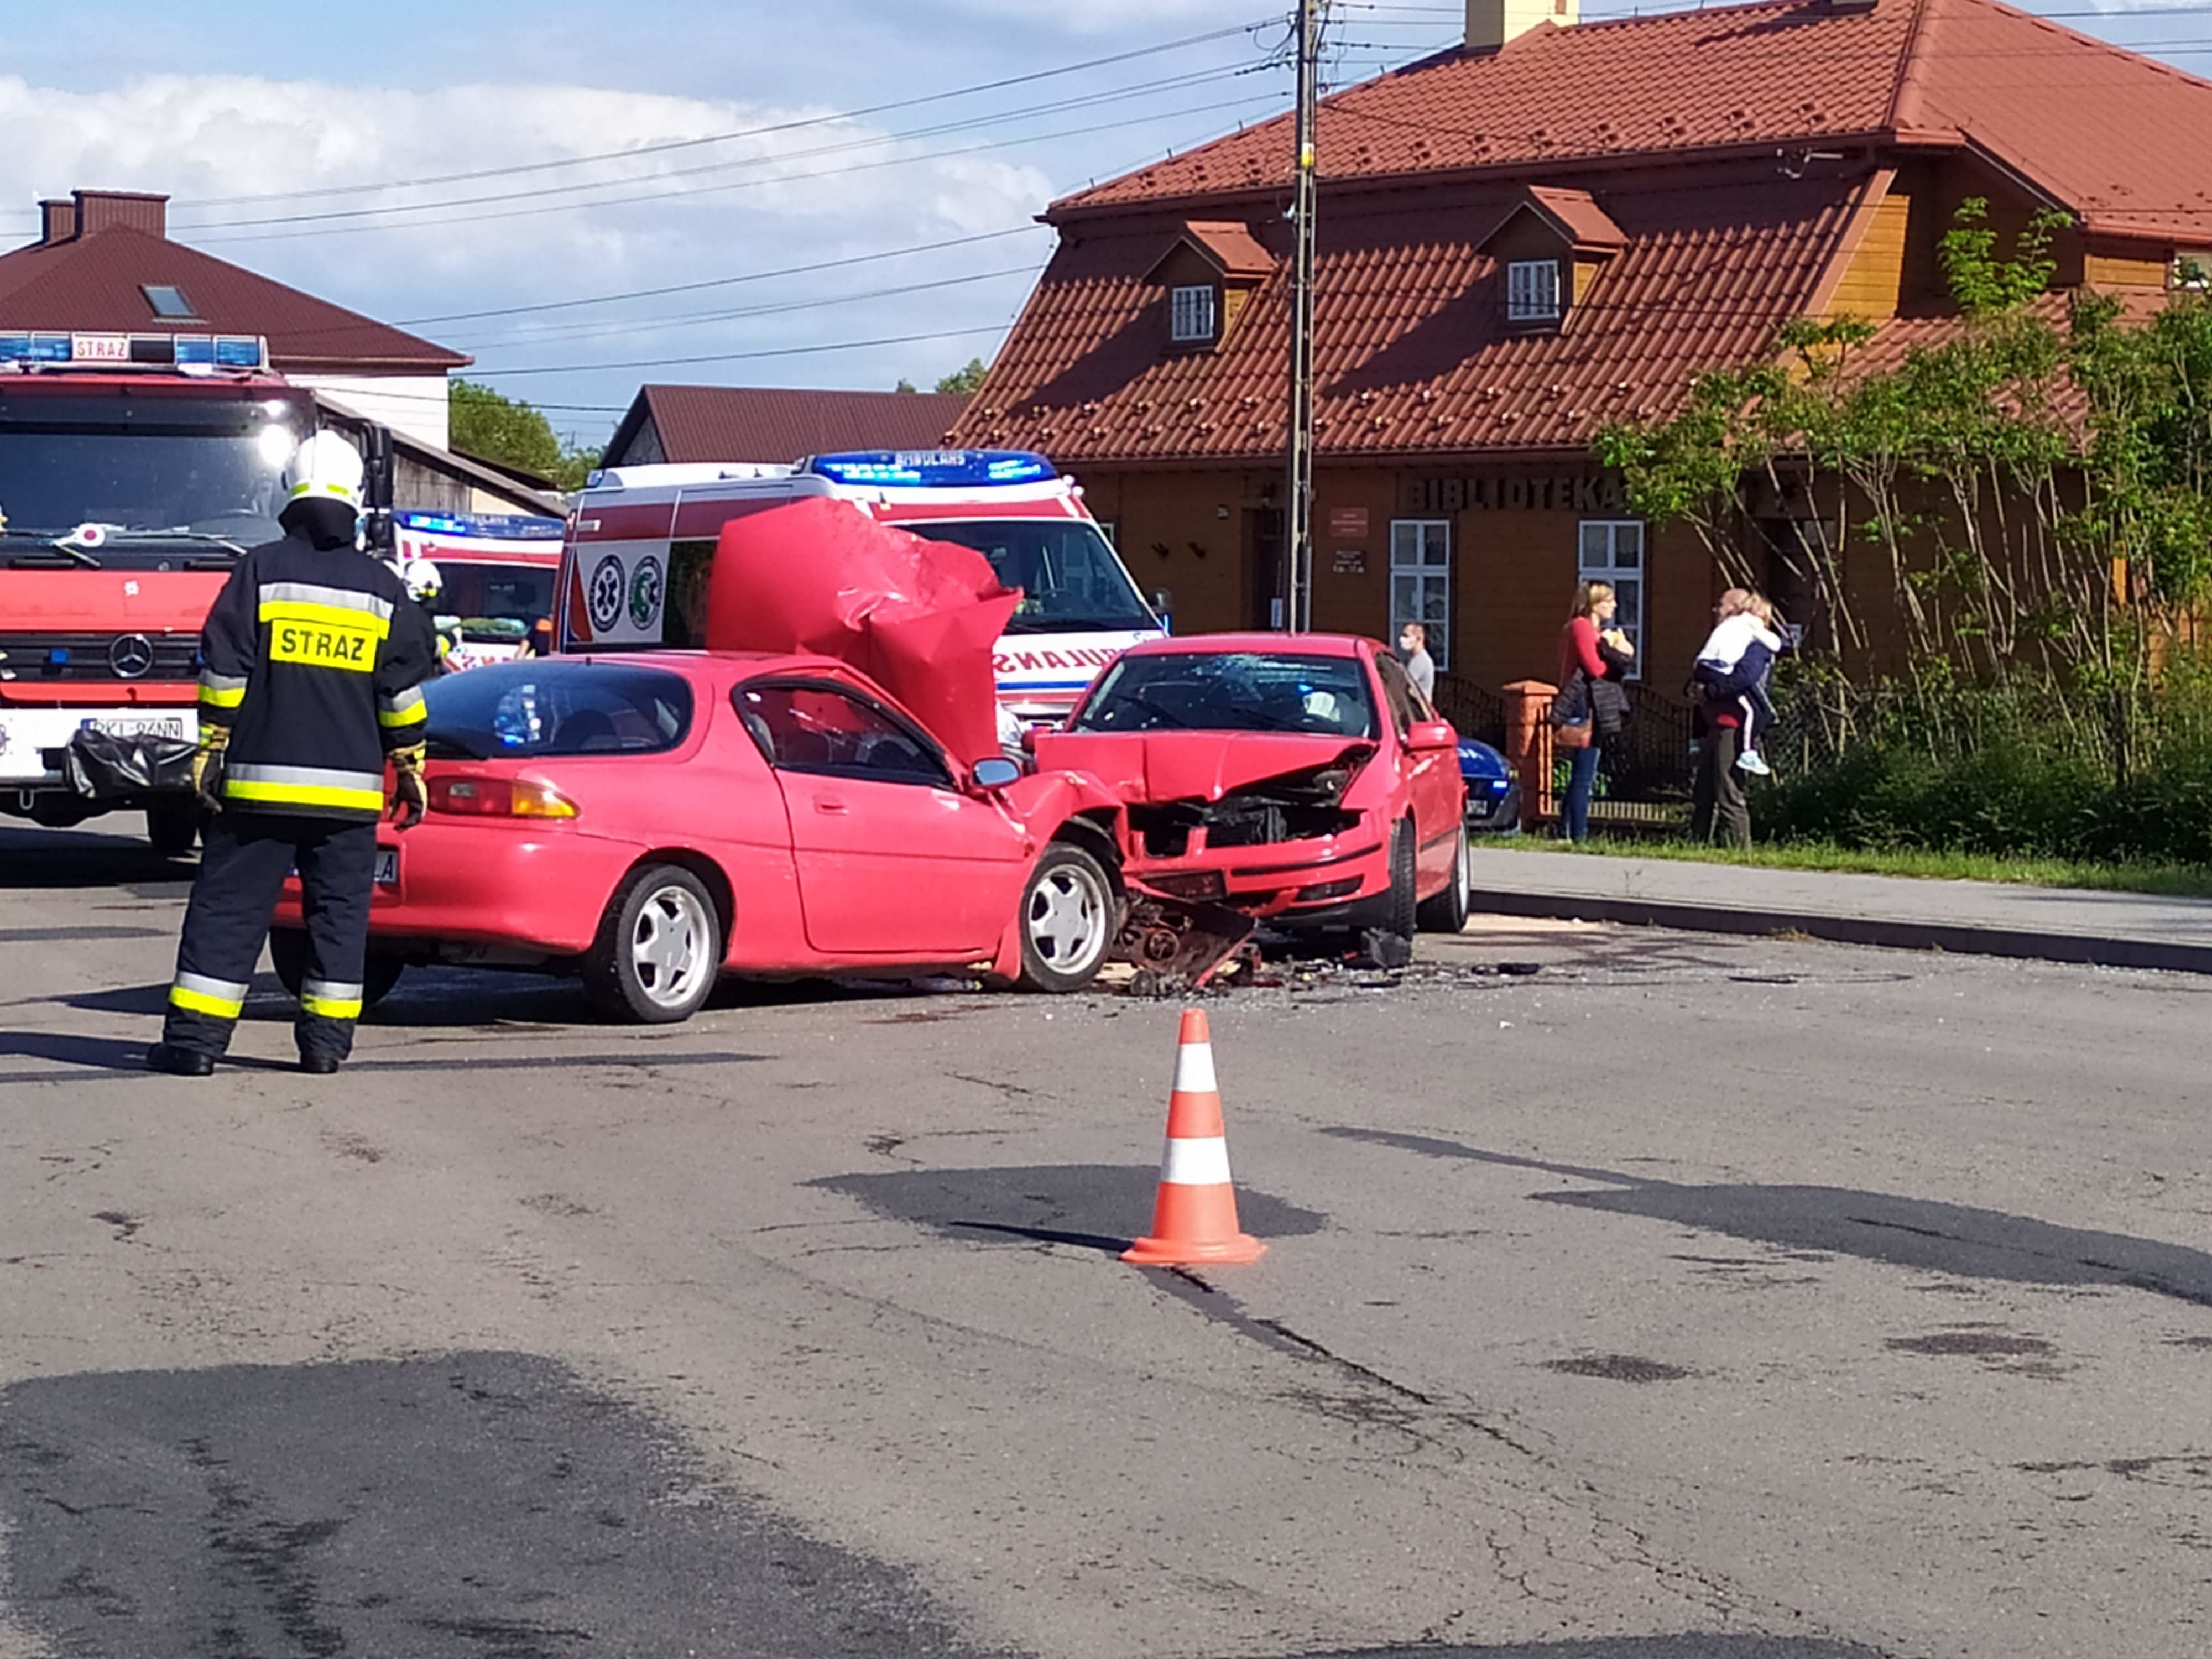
(388,866)
(139,725)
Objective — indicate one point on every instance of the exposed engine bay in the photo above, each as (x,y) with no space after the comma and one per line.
(1300,805)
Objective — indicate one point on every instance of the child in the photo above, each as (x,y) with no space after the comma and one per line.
(1746,619)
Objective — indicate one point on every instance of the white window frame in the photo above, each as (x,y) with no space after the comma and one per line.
(1413,542)
(1193,313)
(1624,561)
(1532,291)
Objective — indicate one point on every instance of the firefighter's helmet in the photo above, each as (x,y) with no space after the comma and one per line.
(327,467)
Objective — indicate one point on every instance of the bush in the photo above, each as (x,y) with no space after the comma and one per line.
(1997,773)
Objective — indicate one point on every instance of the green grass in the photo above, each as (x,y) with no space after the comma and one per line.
(2186,880)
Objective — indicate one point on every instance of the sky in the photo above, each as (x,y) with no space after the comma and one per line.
(815,234)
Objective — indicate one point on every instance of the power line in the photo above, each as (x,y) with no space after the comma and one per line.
(748,356)
(1171,83)
(650,325)
(768,130)
(744,184)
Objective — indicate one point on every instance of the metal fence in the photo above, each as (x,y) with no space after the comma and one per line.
(1476,712)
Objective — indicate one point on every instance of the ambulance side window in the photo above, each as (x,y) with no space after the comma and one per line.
(683,612)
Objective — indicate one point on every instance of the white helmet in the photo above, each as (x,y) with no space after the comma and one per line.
(327,467)
(423,580)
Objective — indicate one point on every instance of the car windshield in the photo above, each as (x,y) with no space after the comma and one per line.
(555,706)
(1231,691)
(1070,578)
(190,484)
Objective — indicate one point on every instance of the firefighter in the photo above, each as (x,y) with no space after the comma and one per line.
(312,664)
(424,581)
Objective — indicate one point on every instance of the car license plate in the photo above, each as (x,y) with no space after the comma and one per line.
(388,866)
(139,725)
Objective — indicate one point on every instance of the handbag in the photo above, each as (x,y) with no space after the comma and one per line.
(1571,714)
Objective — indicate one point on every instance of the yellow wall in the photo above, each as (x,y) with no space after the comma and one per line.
(1872,282)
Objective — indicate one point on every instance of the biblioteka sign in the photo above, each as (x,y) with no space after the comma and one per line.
(1593,495)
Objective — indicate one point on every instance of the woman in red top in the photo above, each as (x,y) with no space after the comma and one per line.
(1591,651)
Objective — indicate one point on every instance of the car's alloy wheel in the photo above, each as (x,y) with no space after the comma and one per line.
(658,949)
(1068,919)
(1446,913)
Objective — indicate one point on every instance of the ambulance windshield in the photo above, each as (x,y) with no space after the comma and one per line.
(1071,581)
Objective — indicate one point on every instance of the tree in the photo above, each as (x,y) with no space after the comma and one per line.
(495,428)
(905,384)
(967,381)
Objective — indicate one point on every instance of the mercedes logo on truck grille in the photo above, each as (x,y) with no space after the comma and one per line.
(131,656)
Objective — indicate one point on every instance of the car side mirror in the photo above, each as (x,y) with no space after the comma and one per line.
(1433,734)
(995,773)
(1029,740)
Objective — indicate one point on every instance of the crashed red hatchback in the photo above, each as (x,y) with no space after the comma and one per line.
(1301,779)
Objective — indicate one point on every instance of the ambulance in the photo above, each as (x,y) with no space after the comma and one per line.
(498,573)
(642,539)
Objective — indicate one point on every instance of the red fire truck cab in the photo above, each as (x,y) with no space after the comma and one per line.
(134,471)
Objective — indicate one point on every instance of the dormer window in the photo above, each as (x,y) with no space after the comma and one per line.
(1532,291)
(1550,247)
(1193,313)
(1208,274)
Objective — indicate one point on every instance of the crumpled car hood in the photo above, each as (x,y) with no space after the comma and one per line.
(917,617)
(1170,766)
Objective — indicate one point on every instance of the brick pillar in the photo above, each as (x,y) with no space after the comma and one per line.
(1528,746)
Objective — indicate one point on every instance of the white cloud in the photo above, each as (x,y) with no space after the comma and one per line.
(203,138)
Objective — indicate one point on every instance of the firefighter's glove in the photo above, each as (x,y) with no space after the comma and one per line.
(408,799)
(207,766)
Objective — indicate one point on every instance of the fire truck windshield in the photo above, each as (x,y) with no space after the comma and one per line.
(150,495)
(1071,581)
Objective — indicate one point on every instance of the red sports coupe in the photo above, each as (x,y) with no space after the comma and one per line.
(651,821)
(1300,779)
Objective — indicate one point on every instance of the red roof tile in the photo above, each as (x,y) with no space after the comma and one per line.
(1412,354)
(1230,246)
(1578,216)
(92,284)
(771,423)
(2112,135)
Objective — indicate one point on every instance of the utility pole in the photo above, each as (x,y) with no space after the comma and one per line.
(1297,519)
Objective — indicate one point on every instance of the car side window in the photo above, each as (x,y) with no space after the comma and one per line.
(811,727)
(1399,692)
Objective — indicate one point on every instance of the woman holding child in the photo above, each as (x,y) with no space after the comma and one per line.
(1595,657)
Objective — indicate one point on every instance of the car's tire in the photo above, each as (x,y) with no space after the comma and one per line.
(1446,912)
(1068,919)
(1401,915)
(288,953)
(659,948)
(172,824)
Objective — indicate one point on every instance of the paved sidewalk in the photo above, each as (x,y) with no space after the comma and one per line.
(2118,930)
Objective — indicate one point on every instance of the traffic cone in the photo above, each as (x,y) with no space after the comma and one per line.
(1195,1217)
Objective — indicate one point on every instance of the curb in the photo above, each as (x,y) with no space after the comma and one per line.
(1889,932)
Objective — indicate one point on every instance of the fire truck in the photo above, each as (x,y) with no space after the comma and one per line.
(135,469)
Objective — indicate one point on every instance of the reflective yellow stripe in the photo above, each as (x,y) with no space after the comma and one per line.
(414,716)
(215,698)
(200,1002)
(329,1007)
(344,617)
(303,794)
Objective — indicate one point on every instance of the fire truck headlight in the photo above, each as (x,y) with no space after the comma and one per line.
(276,445)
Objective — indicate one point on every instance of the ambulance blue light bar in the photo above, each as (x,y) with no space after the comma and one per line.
(931,468)
(487,526)
(184,351)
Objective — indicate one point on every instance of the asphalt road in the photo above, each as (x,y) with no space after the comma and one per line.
(1688,1298)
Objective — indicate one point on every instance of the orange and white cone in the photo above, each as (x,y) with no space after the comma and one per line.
(1194,1216)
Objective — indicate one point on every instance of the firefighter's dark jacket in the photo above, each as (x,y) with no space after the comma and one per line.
(315,659)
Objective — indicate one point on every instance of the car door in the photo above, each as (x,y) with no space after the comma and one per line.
(893,858)
(1430,771)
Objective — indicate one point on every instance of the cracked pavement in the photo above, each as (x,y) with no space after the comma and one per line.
(1689,1298)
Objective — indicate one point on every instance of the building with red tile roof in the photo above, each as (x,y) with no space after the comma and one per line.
(1522,244)
(776,423)
(104,264)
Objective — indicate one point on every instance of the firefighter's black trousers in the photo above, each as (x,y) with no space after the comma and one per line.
(243,858)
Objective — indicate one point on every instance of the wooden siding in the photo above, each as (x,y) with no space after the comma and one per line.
(1873,282)
(2129,268)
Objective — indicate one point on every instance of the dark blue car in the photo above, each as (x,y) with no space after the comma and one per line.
(1493,794)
